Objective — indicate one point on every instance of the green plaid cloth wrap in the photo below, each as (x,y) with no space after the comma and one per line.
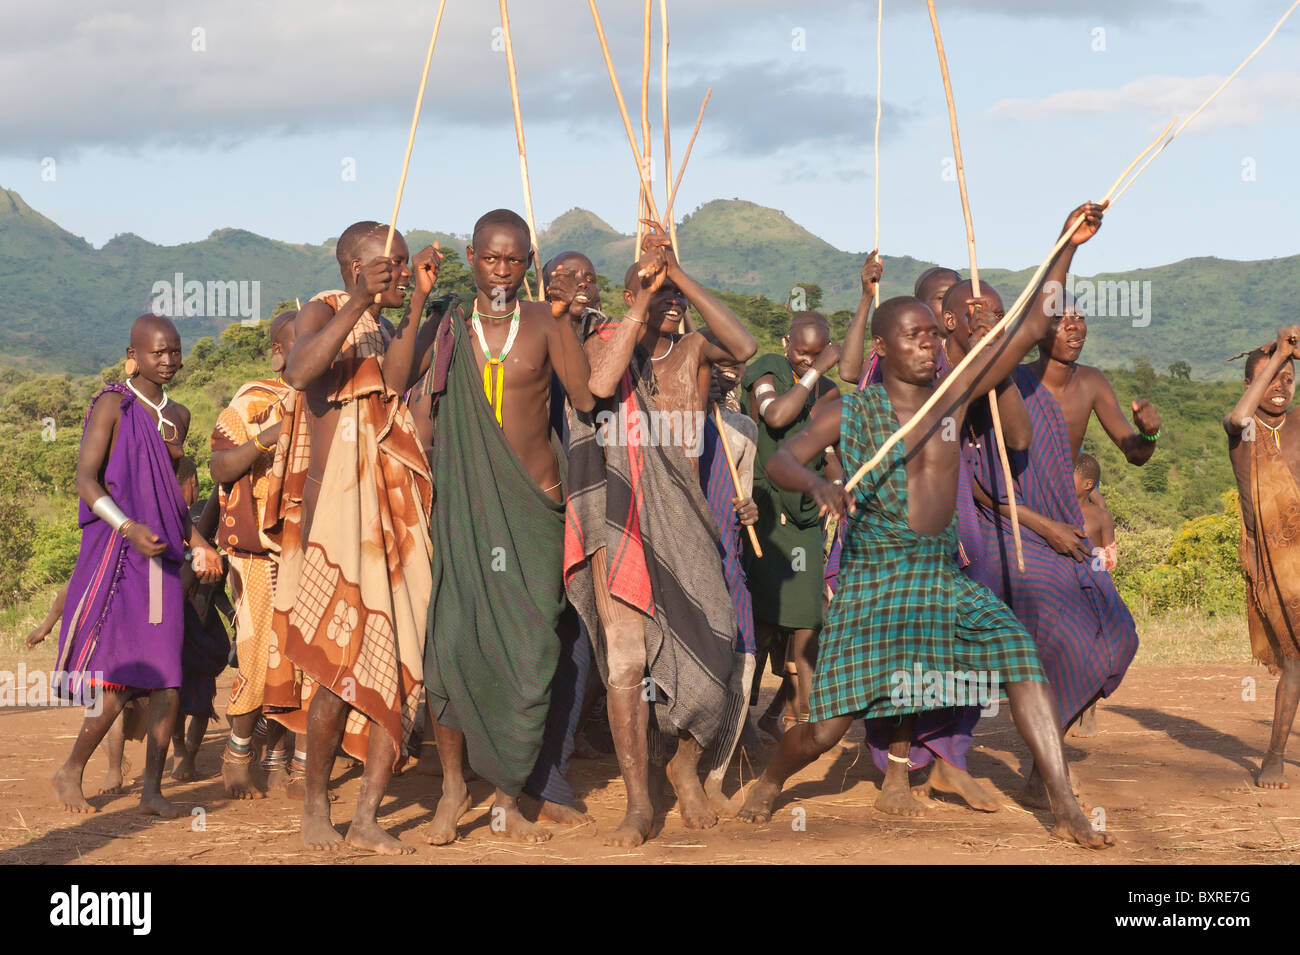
(903,609)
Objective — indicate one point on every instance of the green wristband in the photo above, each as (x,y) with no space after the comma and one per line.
(1150,437)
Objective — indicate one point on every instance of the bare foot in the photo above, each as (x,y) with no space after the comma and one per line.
(318,832)
(184,770)
(67,789)
(115,783)
(758,801)
(153,804)
(238,780)
(428,764)
(718,802)
(564,815)
(367,835)
(277,778)
(452,805)
(898,800)
(1073,826)
(633,830)
(691,800)
(1087,725)
(508,821)
(1270,772)
(1034,795)
(945,778)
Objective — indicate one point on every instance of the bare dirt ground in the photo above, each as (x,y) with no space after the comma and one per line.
(1171,770)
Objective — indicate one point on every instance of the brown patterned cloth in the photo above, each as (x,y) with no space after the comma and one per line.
(258,405)
(1270,553)
(352,595)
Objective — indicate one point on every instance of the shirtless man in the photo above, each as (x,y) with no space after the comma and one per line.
(132,515)
(907,508)
(648,369)
(498,530)
(1265,459)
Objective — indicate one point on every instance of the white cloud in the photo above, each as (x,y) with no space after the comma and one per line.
(1248,99)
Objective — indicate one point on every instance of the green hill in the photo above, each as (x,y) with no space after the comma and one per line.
(67,305)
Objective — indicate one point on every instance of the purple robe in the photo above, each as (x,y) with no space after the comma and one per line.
(106,638)
(715,479)
(1085,635)
(945,733)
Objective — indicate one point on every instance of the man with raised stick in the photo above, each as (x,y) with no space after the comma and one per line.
(349,495)
(641,559)
(902,604)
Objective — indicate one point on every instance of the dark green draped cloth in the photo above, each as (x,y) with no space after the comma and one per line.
(491,647)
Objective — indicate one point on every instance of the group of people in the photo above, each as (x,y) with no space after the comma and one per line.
(432,530)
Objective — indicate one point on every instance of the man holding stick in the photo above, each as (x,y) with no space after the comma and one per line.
(1266,462)
(350,491)
(642,560)
(902,605)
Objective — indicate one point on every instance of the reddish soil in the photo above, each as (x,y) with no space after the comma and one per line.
(1172,771)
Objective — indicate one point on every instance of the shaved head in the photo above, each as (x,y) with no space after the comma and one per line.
(891,310)
(348,248)
(146,326)
(928,280)
(805,319)
(502,219)
(281,326)
(955,300)
(570,256)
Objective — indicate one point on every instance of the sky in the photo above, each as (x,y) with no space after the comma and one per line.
(172,118)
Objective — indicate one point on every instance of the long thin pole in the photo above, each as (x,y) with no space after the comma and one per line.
(880,25)
(1012,315)
(622,108)
(410,138)
(735,475)
(672,196)
(523,150)
(1209,99)
(645,123)
(975,283)
(663,109)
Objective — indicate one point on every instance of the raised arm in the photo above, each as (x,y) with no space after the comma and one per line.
(787,467)
(855,339)
(569,361)
(321,331)
(609,359)
(1281,351)
(1000,358)
(402,360)
(734,342)
(779,410)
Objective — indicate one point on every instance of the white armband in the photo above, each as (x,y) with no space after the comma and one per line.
(106,509)
(762,406)
(809,378)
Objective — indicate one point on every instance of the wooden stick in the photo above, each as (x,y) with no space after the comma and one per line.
(672,196)
(1196,112)
(1012,315)
(410,139)
(880,25)
(645,121)
(523,150)
(735,475)
(622,108)
(671,224)
(975,283)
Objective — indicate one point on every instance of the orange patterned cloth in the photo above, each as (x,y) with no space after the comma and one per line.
(352,594)
(257,405)
(1270,556)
